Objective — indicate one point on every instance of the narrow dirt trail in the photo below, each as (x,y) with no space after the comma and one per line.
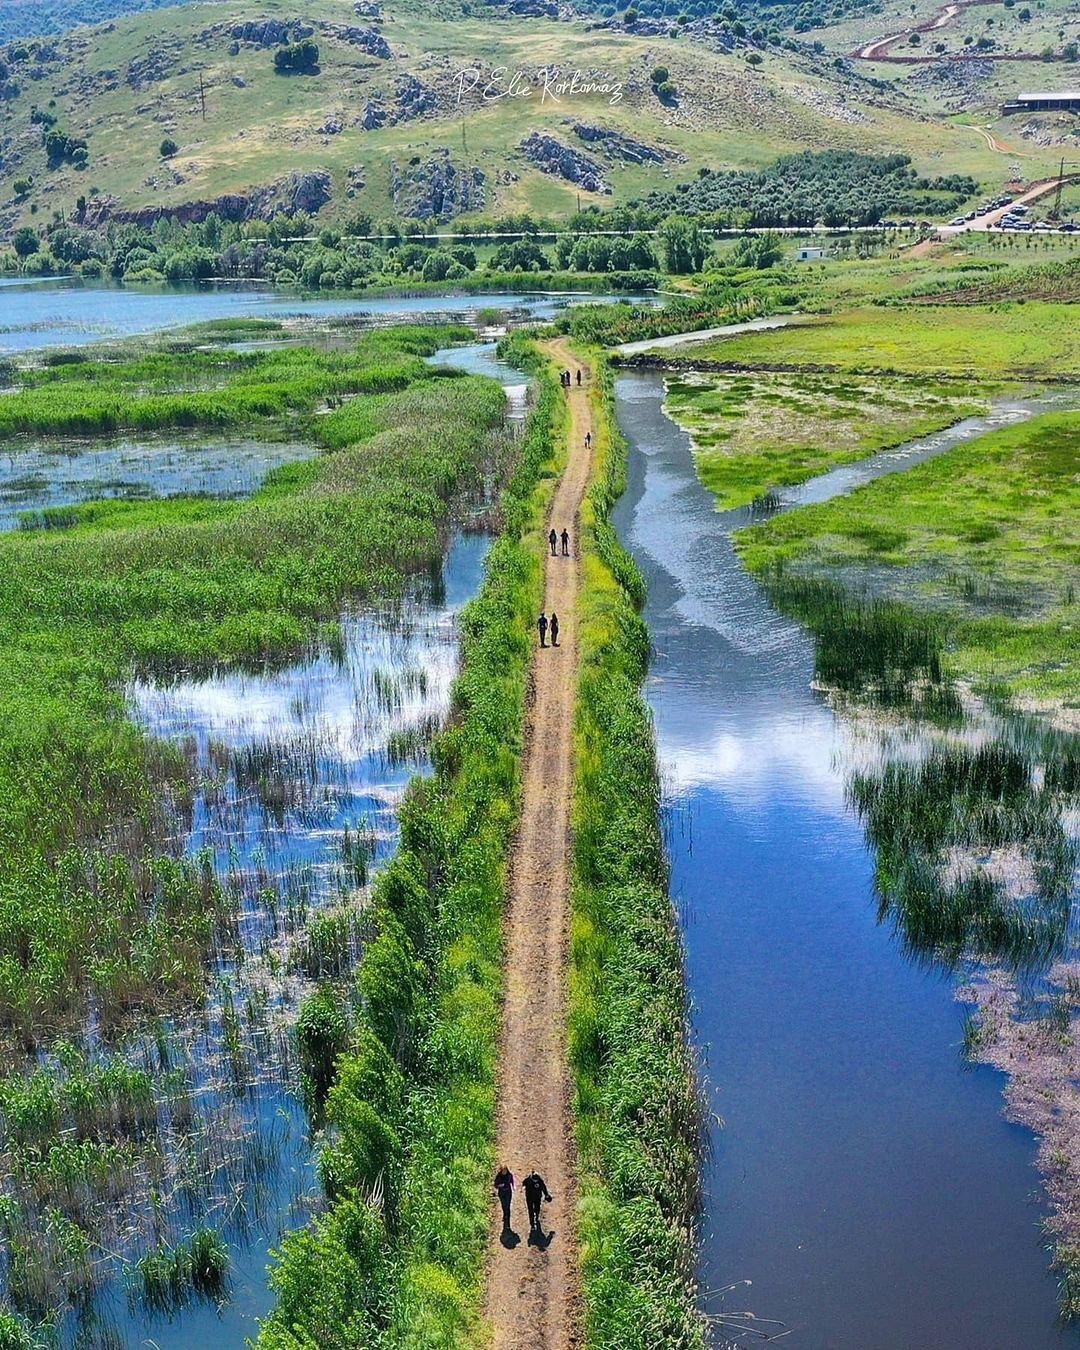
(533,1290)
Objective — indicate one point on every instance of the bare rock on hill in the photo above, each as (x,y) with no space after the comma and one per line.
(620,146)
(562,161)
(412,99)
(307,192)
(155,66)
(269,32)
(958,83)
(438,188)
(369,9)
(369,40)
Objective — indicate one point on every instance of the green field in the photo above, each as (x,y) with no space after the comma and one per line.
(986,534)
(755,431)
(1034,341)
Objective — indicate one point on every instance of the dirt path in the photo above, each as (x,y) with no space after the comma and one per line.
(881,48)
(533,1297)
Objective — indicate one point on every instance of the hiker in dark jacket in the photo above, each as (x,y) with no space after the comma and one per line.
(504,1189)
(566,543)
(536,1192)
(542,624)
(553,539)
(579,377)
(554,626)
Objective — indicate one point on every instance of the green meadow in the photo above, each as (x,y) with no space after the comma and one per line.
(986,535)
(1036,340)
(756,430)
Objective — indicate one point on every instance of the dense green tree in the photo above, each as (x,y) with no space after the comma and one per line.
(25,241)
(685,247)
(298,58)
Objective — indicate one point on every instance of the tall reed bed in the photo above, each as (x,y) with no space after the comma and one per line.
(410,1110)
(91,903)
(635,1091)
(178,387)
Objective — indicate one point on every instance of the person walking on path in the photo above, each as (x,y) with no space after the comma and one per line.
(504,1189)
(553,539)
(588,440)
(542,624)
(566,543)
(554,625)
(536,1192)
(579,377)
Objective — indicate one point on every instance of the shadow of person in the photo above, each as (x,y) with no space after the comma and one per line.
(541,1240)
(509,1238)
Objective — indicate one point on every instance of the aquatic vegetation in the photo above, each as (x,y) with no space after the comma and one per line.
(169,1276)
(394,1257)
(217,388)
(635,1089)
(938,826)
(91,903)
(980,542)
(757,430)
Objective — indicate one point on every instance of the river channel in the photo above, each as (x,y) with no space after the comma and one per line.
(861,1178)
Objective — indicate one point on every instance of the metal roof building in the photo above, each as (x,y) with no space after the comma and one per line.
(1069,101)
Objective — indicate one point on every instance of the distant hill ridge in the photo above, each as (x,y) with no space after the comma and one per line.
(39,18)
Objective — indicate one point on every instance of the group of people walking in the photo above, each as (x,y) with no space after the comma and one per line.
(536,1192)
(545,624)
(566,381)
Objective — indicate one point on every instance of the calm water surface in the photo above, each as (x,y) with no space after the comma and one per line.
(863,1179)
(40,474)
(69,313)
(331,720)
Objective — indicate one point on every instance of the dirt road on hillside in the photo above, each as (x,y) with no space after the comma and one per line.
(533,1289)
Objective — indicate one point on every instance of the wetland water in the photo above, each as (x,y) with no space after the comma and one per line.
(299,772)
(290,762)
(864,1179)
(70,313)
(37,475)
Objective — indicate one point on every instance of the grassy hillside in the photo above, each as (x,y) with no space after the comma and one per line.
(127,86)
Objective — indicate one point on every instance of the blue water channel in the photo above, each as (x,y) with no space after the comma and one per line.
(862,1190)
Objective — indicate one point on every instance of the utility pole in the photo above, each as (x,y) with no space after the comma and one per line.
(464,142)
(202,96)
(1057,195)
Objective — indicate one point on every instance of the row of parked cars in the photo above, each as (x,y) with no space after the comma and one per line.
(984,207)
(1015,218)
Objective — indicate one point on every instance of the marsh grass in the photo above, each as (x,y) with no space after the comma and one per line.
(759,430)
(396,1258)
(150,586)
(978,544)
(229,924)
(168,1277)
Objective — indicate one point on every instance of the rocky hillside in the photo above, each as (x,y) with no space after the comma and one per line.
(343,108)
